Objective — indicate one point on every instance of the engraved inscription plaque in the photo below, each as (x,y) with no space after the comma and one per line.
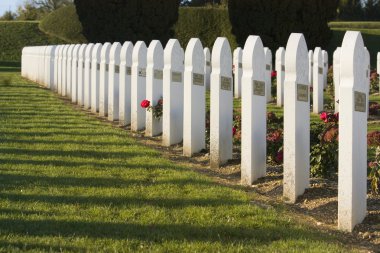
(208,64)
(240,65)
(107,67)
(283,68)
(142,72)
(258,88)
(158,74)
(129,71)
(98,66)
(302,93)
(320,71)
(360,101)
(117,69)
(198,79)
(177,77)
(268,67)
(225,83)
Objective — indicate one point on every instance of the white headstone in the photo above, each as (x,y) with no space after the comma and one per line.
(113,82)
(87,76)
(59,81)
(49,66)
(138,88)
(254,100)
(238,71)
(81,60)
(311,69)
(336,69)
(194,133)
(368,72)
(103,82)
(64,70)
(125,83)
(280,69)
(74,74)
(353,93)
(296,118)
(154,82)
(325,58)
(69,70)
(173,93)
(56,56)
(318,81)
(95,77)
(221,105)
(207,64)
(268,73)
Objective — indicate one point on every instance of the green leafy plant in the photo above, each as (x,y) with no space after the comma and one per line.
(374,172)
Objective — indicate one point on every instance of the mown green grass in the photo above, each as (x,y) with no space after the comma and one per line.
(72,183)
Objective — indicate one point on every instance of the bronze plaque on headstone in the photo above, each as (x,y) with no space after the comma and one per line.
(198,79)
(107,67)
(142,72)
(283,68)
(302,93)
(129,71)
(268,67)
(240,65)
(360,101)
(225,83)
(320,71)
(258,88)
(208,64)
(98,66)
(83,65)
(177,77)
(117,69)
(158,74)
(325,64)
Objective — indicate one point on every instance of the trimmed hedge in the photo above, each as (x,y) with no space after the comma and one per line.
(120,20)
(15,35)
(355,25)
(64,24)
(275,20)
(204,23)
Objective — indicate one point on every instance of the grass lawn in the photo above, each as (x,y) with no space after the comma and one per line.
(72,183)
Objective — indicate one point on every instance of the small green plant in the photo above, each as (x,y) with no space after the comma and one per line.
(374,172)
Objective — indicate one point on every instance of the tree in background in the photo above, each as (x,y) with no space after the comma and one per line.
(275,20)
(51,5)
(8,16)
(121,20)
(28,11)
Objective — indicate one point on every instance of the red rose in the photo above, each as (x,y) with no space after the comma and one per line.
(274,74)
(280,156)
(145,103)
(323,116)
(233,130)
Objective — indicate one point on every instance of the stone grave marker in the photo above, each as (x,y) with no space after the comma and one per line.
(238,71)
(353,107)
(81,60)
(207,64)
(103,81)
(221,104)
(154,89)
(297,117)
(95,77)
(173,93)
(125,83)
(325,58)
(113,82)
(336,68)
(194,132)
(87,76)
(74,74)
(311,67)
(268,73)
(138,88)
(254,102)
(69,70)
(280,69)
(318,81)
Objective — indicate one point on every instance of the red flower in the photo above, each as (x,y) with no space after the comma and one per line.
(280,156)
(274,74)
(233,130)
(323,116)
(145,103)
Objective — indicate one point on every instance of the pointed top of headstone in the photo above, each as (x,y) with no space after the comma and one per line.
(96,51)
(138,51)
(115,53)
(296,59)
(318,54)
(207,52)
(88,51)
(155,51)
(127,46)
(221,56)
(352,67)
(173,53)
(194,53)
(82,50)
(105,53)
(253,49)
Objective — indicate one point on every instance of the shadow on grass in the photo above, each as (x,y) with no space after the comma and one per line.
(158,233)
